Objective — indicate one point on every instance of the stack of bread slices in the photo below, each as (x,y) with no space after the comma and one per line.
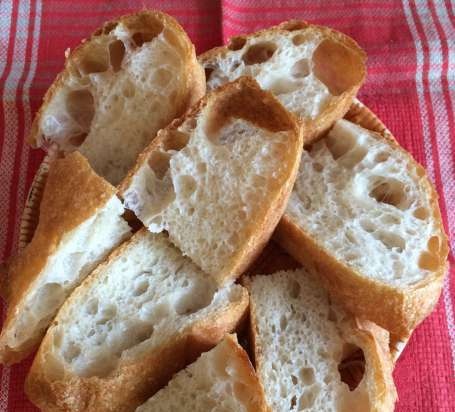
(153,246)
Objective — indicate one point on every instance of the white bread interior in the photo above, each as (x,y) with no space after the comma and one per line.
(304,346)
(130,79)
(221,379)
(218,179)
(129,326)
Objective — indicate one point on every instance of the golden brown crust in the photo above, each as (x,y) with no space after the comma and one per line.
(244,99)
(72,195)
(374,342)
(399,310)
(134,380)
(153,22)
(253,387)
(340,104)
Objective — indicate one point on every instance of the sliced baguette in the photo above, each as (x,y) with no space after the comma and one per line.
(118,88)
(79,224)
(310,355)
(364,215)
(136,320)
(218,179)
(313,70)
(221,379)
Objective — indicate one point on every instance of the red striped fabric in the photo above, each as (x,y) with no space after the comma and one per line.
(410,85)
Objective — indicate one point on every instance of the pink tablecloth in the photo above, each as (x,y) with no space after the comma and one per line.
(410,85)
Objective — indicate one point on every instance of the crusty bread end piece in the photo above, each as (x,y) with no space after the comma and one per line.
(79,224)
(313,70)
(311,355)
(218,179)
(118,88)
(140,317)
(221,379)
(364,215)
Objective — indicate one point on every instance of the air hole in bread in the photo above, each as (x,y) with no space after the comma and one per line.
(421,213)
(434,245)
(201,168)
(208,72)
(158,161)
(301,68)
(140,287)
(389,191)
(428,261)
(141,37)
(283,86)
(283,323)
(293,402)
(381,157)
(185,186)
(339,147)
(116,54)
(92,306)
(307,399)
(259,53)
(345,150)
(367,225)
(389,219)
(323,354)
(236,43)
(421,172)
(71,352)
(338,67)
(318,167)
(294,289)
(162,77)
(175,140)
(94,58)
(293,25)
(128,89)
(299,39)
(107,313)
(390,240)
(352,365)
(307,376)
(57,338)
(80,106)
(305,200)
(351,237)
(193,302)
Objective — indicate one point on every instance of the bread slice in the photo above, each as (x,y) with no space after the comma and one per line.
(310,355)
(218,179)
(79,224)
(118,88)
(137,319)
(221,379)
(313,70)
(364,215)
